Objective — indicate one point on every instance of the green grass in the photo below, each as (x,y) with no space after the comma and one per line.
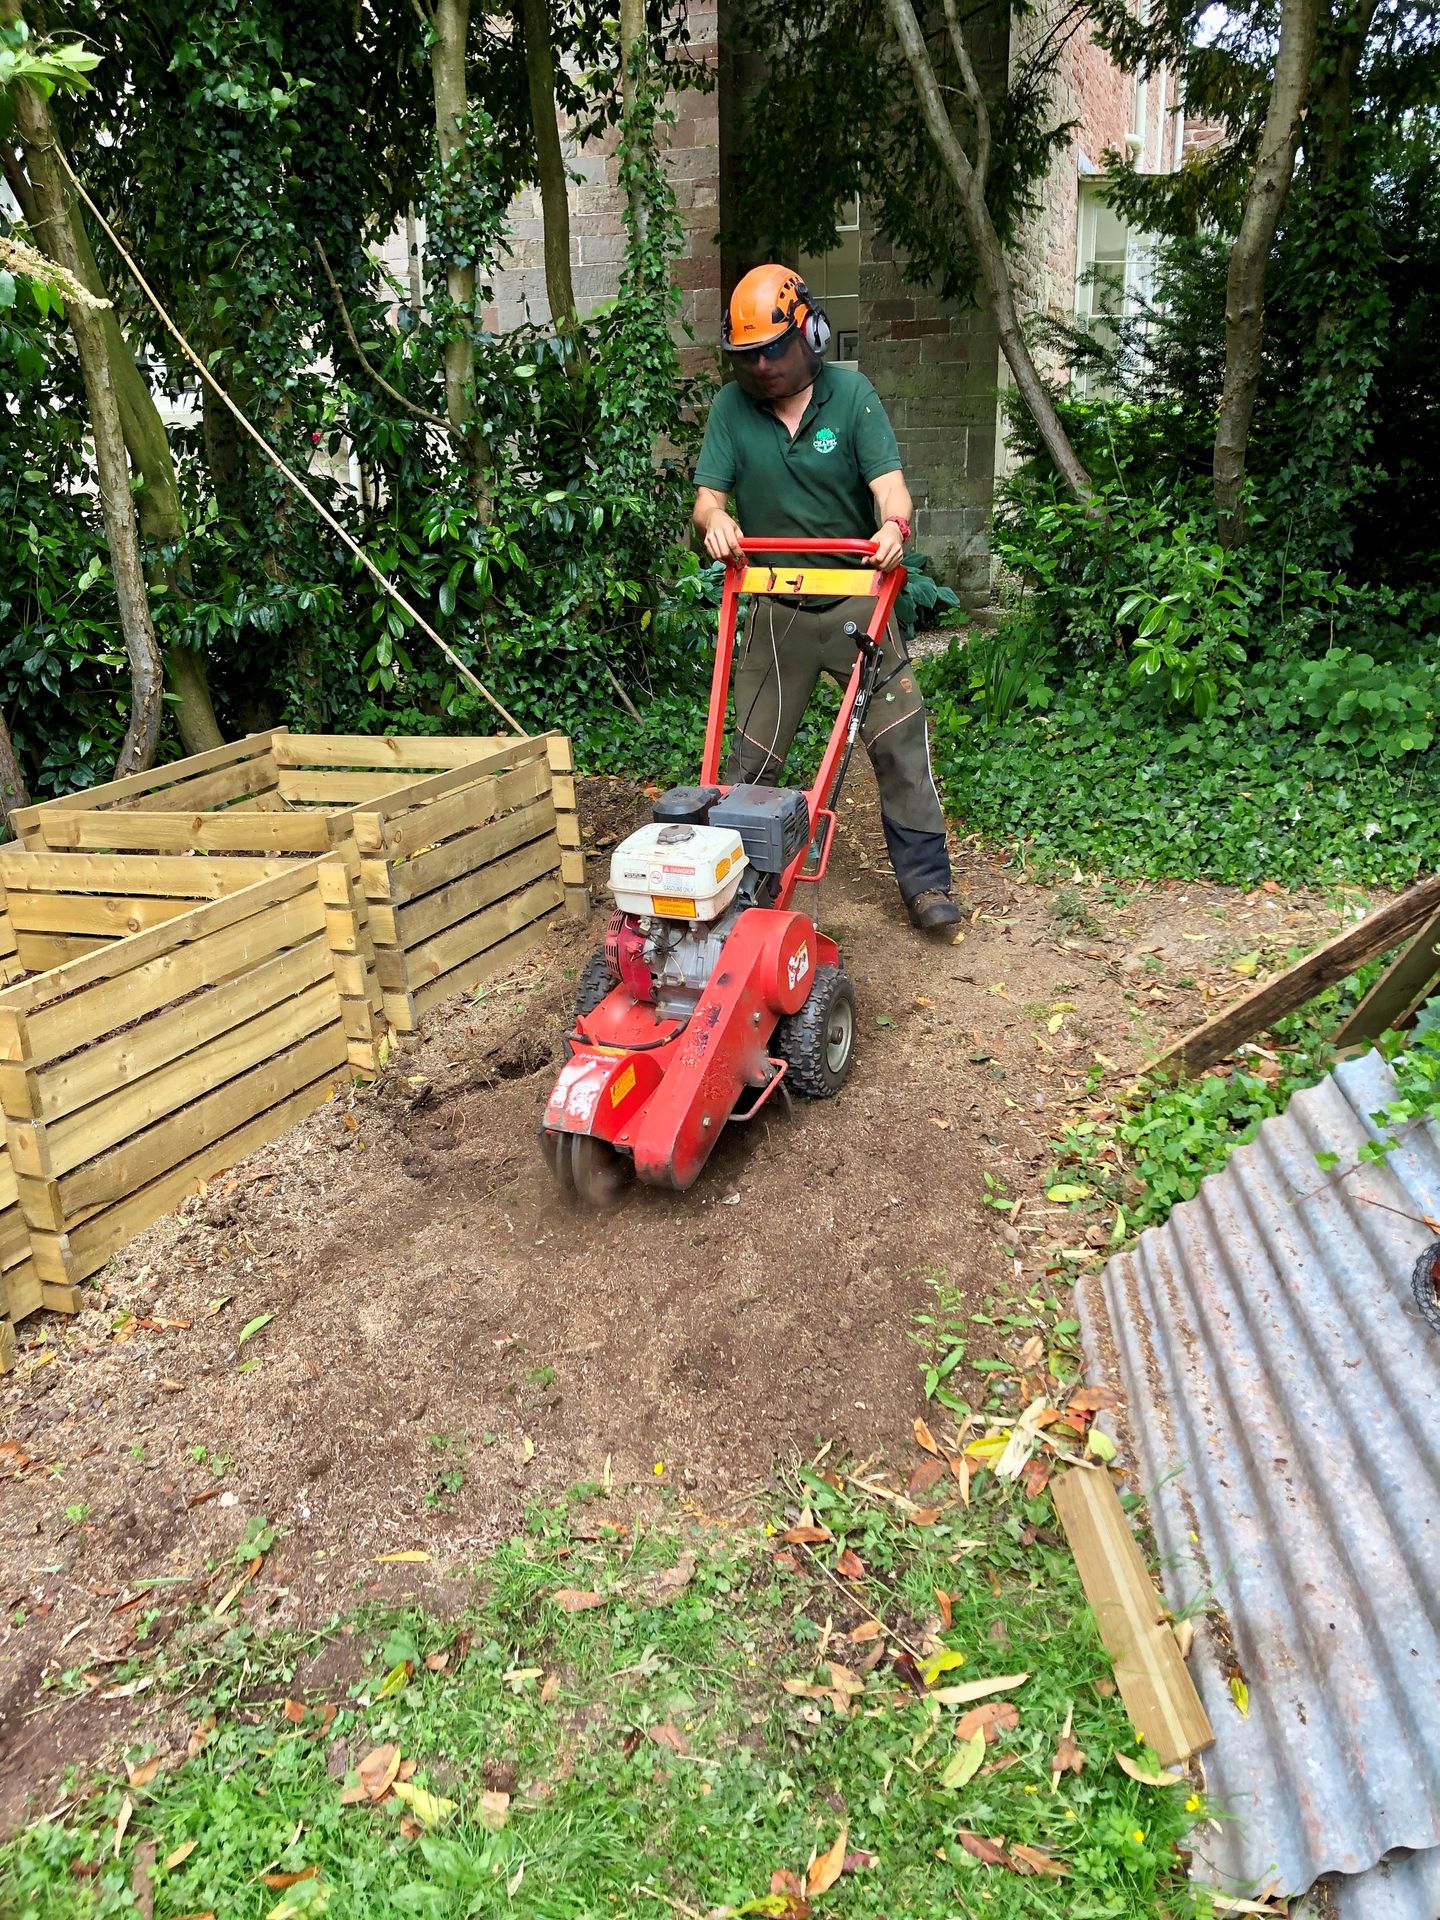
(603,1816)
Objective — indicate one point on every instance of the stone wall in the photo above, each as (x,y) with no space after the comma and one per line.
(597,225)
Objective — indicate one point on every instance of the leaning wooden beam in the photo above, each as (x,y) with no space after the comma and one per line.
(1400,992)
(1159,1694)
(1336,960)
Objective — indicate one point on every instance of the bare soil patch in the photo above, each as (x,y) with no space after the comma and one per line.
(450,1340)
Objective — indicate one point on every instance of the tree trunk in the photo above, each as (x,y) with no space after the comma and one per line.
(550,162)
(451,22)
(969,182)
(1250,257)
(632,39)
(13,791)
(55,234)
(162,520)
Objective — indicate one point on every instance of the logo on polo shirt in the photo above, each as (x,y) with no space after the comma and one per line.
(825,441)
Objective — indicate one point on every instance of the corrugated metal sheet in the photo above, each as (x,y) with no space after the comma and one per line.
(1283,1402)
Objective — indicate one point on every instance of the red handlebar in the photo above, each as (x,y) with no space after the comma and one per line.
(799,545)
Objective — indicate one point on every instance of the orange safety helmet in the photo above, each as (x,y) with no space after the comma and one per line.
(768,303)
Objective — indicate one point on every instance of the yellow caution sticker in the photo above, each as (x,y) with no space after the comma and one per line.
(670,907)
(623,1084)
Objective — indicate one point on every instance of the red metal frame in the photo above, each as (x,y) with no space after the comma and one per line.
(661,1089)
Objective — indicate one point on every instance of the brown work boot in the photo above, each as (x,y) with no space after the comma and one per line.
(933,911)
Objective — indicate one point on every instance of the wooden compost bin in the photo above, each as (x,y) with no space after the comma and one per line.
(467,847)
(134,1072)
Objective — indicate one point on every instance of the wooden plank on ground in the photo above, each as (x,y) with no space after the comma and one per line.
(415,754)
(468,975)
(238,830)
(1377,933)
(7,1339)
(1158,1692)
(156,780)
(95,873)
(92,1244)
(1400,992)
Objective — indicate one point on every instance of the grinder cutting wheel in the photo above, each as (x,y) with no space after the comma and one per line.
(711,989)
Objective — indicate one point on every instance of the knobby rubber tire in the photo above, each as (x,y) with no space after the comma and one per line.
(597,979)
(803,1038)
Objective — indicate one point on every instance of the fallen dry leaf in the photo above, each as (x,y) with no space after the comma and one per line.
(294,1711)
(983,1850)
(994,1717)
(1184,1631)
(410,1829)
(961,1469)
(946,1606)
(428,1808)
(969,1690)
(122,1821)
(663,1587)
(924,1516)
(142,1775)
(923,1436)
(278,1882)
(550,1691)
(850,1566)
(182,1852)
(668,1736)
(379,1770)
(199,1734)
(410,1554)
(1093,1400)
(1068,1758)
(859,1861)
(806,1689)
(806,1536)
(867,1630)
(436,1662)
(577,1599)
(1145,1776)
(494,1811)
(1037,1860)
(825,1871)
(844,1678)
(1032,1353)
(924,1477)
(786,1883)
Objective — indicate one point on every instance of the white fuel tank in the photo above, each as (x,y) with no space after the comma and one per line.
(669,871)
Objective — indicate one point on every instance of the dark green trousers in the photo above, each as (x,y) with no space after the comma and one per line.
(783,654)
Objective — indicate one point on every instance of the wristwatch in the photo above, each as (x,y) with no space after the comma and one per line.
(899,520)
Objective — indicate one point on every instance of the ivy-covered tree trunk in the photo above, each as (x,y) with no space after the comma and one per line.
(632,42)
(450,25)
(13,790)
(55,234)
(969,180)
(550,162)
(1250,257)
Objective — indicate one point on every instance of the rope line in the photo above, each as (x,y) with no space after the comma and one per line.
(275,460)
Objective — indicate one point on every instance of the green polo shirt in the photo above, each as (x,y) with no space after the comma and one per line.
(816,485)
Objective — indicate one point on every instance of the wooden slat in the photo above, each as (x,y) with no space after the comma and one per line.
(474,806)
(1335,960)
(847,583)
(176,1032)
(20,1293)
(1158,1692)
(134,1104)
(178,875)
(414,754)
(465,815)
(408,821)
(93,1243)
(1398,995)
(154,781)
(209,790)
(458,944)
(425,920)
(296,879)
(242,1093)
(44,952)
(335,787)
(240,830)
(413,880)
(468,975)
(102,916)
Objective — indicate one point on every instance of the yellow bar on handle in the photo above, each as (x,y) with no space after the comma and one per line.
(847,583)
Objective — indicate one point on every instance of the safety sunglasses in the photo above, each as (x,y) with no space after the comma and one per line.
(772,349)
